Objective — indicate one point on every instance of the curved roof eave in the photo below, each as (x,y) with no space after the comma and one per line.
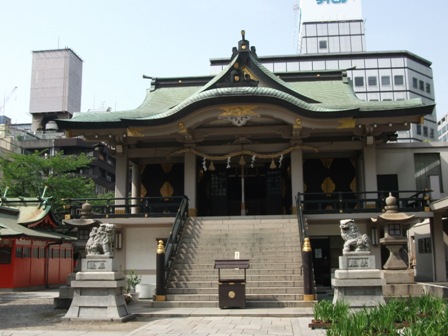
(240,95)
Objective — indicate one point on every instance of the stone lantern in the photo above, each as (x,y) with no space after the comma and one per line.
(395,225)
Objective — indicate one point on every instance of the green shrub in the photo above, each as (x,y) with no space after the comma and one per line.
(326,311)
(420,316)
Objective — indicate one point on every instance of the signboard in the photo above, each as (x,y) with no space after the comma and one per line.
(330,10)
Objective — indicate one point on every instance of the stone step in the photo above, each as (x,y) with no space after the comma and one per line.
(215,304)
(270,250)
(230,250)
(240,236)
(251,278)
(228,274)
(191,231)
(253,259)
(274,291)
(249,297)
(249,284)
(253,266)
(272,246)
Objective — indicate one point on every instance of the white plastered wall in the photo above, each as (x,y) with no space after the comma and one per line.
(141,247)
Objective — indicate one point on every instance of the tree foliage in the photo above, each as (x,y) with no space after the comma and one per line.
(28,175)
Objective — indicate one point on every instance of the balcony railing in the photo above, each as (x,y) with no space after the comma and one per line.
(358,202)
(124,207)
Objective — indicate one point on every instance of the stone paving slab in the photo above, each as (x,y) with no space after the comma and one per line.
(188,321)
(227,326)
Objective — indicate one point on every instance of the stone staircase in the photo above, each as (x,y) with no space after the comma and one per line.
(271,244)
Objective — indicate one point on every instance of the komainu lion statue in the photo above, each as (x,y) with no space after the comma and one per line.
(101,240)
(351,235)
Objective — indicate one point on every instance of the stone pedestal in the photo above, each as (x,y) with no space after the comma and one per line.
(65,298)
(357,282)
(98,292)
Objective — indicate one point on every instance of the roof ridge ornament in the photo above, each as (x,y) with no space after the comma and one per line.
(243,45)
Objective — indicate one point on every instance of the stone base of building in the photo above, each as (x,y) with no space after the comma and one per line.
(399,277)
(357,282)
(403,290)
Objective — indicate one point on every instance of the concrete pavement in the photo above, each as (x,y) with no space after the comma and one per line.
(185,322)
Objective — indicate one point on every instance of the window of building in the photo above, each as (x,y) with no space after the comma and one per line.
(385,80)
(421,85)
(424,245)
(427,164)
(27,252)
(431,133)
(55,253)
(372,80)
(323,44)
(419,129)
(359,81)
(414,82)
(218,185)
(428,88)
(399,79)
(5,255)
(425,131)
(19,252)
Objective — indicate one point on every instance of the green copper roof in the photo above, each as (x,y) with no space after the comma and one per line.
(10,227)
(315,95)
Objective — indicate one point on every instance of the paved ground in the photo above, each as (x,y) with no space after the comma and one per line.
(32,314)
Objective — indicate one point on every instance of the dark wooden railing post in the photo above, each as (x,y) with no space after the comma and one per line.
(160,270)
(308,283)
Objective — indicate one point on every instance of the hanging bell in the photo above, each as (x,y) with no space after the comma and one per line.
(242,161)
(211,167)
(272,165)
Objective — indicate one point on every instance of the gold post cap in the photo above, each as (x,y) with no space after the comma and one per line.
(160,247)
(306,245)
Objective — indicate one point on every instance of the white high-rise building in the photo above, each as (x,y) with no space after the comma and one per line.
(331,36)
(442,128)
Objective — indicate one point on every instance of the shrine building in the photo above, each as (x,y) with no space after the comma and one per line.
(252,144)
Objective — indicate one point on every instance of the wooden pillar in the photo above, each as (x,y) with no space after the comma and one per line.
(190,182)
(121,182)
(135,187)
(296,176)
(370,175)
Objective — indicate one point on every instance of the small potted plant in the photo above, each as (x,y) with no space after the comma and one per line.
(132,280)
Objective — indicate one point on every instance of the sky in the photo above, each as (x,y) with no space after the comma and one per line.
(121,40)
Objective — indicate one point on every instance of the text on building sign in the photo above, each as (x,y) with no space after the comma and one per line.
(320,2)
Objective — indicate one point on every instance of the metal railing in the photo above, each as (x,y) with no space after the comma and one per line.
(356,202)
(124,207)
(175,234)
(301,221)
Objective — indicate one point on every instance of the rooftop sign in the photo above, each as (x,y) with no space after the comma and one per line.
(330,10)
